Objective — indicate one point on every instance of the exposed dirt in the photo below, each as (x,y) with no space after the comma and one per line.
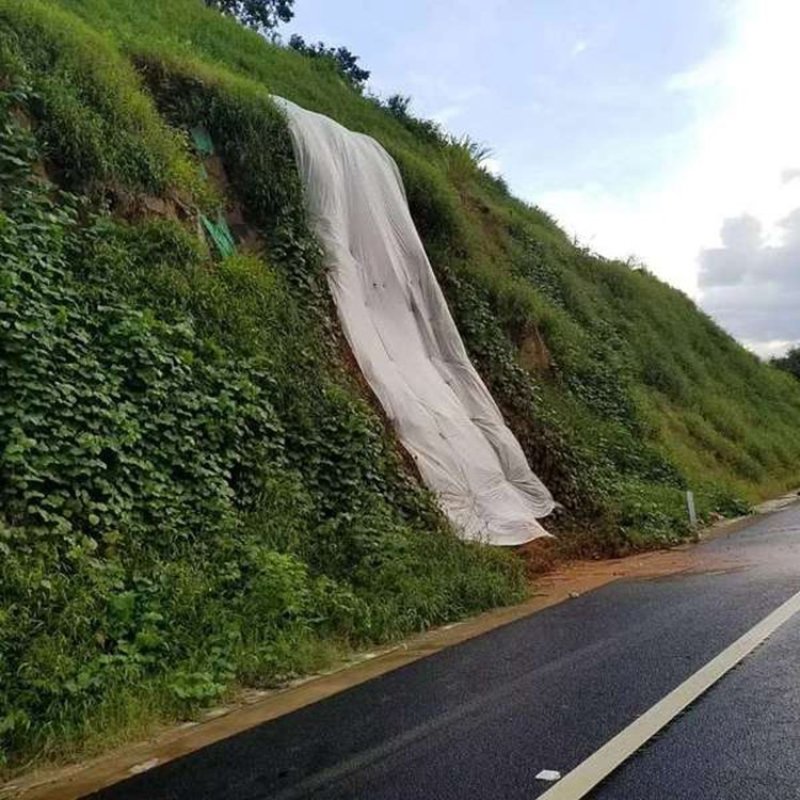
(247,237)
(534,354)
(136,206)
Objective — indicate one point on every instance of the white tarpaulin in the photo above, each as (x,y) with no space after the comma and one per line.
(398,325)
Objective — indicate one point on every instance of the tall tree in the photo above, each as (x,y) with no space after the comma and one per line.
(262,15)
(790,362)
(345,62)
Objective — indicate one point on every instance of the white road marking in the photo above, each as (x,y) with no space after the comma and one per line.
(549,775)
(581,780)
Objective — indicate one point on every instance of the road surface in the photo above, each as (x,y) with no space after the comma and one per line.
(482,719)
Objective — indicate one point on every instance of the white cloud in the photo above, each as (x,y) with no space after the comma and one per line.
(741,145)
(579,47)
(771,349)
(492,165)
(444,115)
(752,286)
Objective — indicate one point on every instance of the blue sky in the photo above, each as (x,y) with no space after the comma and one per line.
(645,127)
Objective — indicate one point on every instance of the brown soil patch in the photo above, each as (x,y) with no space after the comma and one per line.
(533,352)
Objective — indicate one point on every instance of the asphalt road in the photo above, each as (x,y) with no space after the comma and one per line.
(481,719)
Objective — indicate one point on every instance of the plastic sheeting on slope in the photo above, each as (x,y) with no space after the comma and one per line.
(399,327)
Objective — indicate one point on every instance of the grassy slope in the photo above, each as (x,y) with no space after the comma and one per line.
(629,358)
(195,494)
(621,391)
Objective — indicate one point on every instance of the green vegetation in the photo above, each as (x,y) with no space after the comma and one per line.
(197,492)
(789,363)
(258,14)
(344,61)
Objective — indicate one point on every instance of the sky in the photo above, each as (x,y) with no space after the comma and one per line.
(667,132)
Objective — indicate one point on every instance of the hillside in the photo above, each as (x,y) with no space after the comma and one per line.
(198,491)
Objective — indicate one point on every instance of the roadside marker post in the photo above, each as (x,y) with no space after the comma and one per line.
(690,507)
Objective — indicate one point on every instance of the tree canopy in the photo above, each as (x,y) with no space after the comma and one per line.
(790,362)
(345,61)
(258,14)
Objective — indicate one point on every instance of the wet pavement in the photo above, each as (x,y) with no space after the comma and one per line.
(481,719)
